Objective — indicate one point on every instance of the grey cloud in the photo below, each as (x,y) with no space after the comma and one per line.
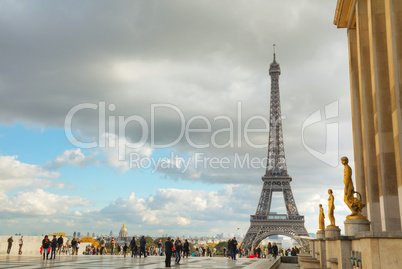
(201,56)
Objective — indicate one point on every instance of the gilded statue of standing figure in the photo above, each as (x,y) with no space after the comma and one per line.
(354,204)
(331,208)
(321,218)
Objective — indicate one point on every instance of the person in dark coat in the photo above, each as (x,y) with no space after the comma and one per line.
(133,247)
(53,245)
(270,251)
(60,242)
(168,252)
(125,249)
(186,247)
(143,242)
(234,248)
(73,245)
(45,247)
(10,244)
(178,248)
(275,250)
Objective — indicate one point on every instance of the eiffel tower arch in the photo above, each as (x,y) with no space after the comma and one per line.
(276,179)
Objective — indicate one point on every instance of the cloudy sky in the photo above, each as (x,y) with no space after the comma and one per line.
(140,112)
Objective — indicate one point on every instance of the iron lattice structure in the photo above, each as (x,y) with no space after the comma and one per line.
(276,179)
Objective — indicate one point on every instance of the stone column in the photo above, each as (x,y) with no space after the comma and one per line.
(356,116)
(344,248)
(393,13)
(367,116)
(384,142)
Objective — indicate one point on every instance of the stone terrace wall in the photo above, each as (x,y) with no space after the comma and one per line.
(31,245)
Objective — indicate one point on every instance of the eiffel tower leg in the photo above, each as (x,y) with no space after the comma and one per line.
(248,239)
(265,202)
(289,200)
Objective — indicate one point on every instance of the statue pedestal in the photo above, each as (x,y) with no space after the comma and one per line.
(332,231)
(353,226)
(320,234)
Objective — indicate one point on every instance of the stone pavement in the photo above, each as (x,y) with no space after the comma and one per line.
(84,262)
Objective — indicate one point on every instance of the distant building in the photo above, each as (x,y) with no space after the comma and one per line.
(123,233)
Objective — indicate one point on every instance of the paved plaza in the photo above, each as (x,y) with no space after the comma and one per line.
(85,262)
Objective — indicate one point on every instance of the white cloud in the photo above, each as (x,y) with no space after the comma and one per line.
(38,203)
(10,167)
(16,174)
(170,208)
(73,157)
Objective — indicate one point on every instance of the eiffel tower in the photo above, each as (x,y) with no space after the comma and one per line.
(276,179)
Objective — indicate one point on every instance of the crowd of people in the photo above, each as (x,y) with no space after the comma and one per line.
(138,248)
(56,245)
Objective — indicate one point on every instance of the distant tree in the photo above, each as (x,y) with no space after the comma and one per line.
(149,240)
(89,240)
(157,240)
(220,246)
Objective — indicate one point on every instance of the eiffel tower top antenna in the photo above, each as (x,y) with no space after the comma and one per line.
(276,165)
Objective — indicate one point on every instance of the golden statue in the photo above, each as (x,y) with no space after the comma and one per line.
(321,218)
(355,204)
(331,208)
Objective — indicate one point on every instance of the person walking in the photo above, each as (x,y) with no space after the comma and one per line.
(143,243)
(275,250)
(133,247)
(45,247)
(60,242)
(234,248)
(186,248)
(53,245)
(21,242)
(168,252)
(68,247)
(159,252)
(73,246)
(270,251)
(10,244)
(179,248)
(112,245)
(125,249)
(229,252)
(102,246)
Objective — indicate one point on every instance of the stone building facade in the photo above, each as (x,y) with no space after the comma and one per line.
(374,29)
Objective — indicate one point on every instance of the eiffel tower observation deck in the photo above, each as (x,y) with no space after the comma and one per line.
(276,179)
